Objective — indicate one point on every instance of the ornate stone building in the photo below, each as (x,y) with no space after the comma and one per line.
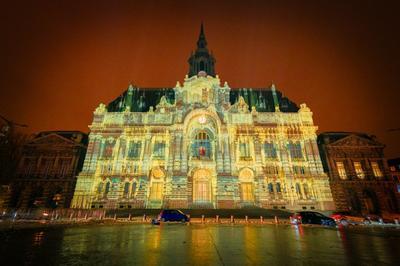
(359,176)
(46,174)
(202,144)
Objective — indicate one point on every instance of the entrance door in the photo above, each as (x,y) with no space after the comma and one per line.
(156,191)
(201,191)
(201,186)
(247,191)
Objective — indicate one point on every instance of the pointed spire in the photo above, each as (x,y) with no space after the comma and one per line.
(275,97)
(202,43)
(201,59)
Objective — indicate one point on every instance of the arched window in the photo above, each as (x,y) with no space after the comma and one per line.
(278,187)
(126,190)
(306,192)
(298,189)
(270,188)
(202,67)
(107,189)
(133,191)
(201,147)
(100,187)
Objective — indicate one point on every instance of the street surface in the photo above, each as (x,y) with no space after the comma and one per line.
(197,244)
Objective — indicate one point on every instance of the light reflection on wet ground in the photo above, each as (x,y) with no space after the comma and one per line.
(177,244)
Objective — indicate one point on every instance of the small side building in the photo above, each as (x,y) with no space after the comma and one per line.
(47,171)
(359,176)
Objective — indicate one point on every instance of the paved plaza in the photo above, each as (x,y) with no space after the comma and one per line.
(198,244)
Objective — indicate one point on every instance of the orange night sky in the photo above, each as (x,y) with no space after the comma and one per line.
(59,60)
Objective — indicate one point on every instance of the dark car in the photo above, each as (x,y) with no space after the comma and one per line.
(171,216)
(307,217)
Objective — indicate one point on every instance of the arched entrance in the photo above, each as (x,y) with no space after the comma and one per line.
(354,202)
(156,192)
(202,187)
(246,179)
(371,202)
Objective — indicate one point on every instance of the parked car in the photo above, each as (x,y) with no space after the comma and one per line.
(171,216)
(346,218)
(376,219)
(308,217)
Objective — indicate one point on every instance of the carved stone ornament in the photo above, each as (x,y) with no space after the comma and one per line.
(163,105)
(240,106)
(304,108)
(101,109)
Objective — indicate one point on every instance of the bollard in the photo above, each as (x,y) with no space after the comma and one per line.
(129,217)
(246,219)
(70,217)
(144,217)
(202,219)
(217,218)
(396,221)
(86,216)
(232,219)
(261,219)
(115,216)
(276,220)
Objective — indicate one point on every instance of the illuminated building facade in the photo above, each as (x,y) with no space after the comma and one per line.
(202,144)
(360,178)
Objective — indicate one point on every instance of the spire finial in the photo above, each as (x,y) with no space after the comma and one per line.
(202,43)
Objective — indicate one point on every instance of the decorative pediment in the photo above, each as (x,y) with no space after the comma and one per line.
(240,106)
(52,139)
(354,140)
(163,105)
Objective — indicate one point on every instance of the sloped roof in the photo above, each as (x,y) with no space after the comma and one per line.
(140,99)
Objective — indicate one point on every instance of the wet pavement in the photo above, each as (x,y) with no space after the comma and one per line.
(179,244)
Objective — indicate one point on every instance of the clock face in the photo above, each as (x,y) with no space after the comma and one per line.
(202,119)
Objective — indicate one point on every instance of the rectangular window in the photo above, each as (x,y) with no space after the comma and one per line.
(47,165)
(108,150)
(375,168)
(64,168)
(269,150)
(341,170)
(295,150)
(271,170)
(159,149)
(358,169)
(244,150)
(134,150)
(29,166)
(299,170)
